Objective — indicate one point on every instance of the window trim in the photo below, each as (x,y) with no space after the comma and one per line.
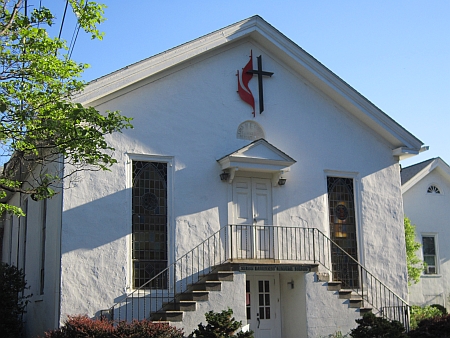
(436,249)
(170,218)
(358,205)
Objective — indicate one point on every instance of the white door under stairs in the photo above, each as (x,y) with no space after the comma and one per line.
(263,308)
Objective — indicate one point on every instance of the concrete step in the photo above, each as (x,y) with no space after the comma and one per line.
(345,294)
(187,301)
(183,305)
(355,303)
(208,285)
(193,296)
(364,310)
(355,300)
(334,286)
(223,276)
(172,316)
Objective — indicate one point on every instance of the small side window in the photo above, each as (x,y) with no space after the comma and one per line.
(430,254)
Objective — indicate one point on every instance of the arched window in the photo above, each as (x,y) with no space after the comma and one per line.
(433,189)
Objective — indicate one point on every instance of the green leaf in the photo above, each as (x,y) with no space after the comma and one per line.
(40,123)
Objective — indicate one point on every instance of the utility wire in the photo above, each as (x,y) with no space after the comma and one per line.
(74,39)
(75,36)
(64,17)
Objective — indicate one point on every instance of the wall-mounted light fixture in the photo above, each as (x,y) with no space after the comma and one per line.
(281,181)
(291,283)
(224,176)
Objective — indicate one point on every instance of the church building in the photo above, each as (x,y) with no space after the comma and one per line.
(426,197)
(254,179)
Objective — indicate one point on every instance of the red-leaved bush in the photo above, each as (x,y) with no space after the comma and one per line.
(83,326)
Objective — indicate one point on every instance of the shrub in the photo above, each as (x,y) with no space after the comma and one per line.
(420,313)
(436,327)
(440,308)
(371,326)
(83,326)
(147,329)
(220,325)
(12,300)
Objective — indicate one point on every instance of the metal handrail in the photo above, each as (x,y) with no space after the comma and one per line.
(263,243)
(371,289)
(162,289)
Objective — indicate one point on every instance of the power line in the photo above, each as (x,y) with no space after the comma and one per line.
(64,17)
(74,40)
(75,35)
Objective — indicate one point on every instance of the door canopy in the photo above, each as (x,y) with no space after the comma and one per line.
(258,156)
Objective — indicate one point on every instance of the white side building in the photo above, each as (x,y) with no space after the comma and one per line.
(426,198)
(207,183)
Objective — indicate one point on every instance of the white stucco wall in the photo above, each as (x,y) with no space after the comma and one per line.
(429,212)
(231,296)
(293,305)
(326,313)
(190,115)
(42,311)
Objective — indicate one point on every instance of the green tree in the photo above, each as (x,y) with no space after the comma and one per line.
(12,286)
(414,264)
(42,128)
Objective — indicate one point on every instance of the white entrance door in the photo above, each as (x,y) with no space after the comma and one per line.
(253,234)
(262,293)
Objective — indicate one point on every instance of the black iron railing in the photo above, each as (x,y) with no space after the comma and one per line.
(264,244)
(151,296)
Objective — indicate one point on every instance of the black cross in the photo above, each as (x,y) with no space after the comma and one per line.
(260,74)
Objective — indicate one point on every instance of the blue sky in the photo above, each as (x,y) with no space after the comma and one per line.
(395,53)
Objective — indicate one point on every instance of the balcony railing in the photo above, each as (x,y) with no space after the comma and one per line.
(264,244)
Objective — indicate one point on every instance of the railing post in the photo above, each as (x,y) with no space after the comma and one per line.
(174,276)
(314,246)
(361,281)
(231,242)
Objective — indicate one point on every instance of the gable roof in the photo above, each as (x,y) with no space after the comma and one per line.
(414,173)
(260,156)
(403,143)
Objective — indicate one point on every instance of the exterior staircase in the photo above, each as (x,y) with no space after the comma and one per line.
(187,301)
(354,299)
(193,276)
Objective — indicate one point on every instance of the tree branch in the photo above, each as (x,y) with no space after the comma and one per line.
(11,19)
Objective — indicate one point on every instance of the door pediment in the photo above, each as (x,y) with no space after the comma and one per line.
(258,156)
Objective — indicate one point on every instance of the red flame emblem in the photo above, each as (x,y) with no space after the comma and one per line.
(243,79)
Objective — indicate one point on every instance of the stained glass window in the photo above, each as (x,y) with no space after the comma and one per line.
(343,230)
(149,242)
